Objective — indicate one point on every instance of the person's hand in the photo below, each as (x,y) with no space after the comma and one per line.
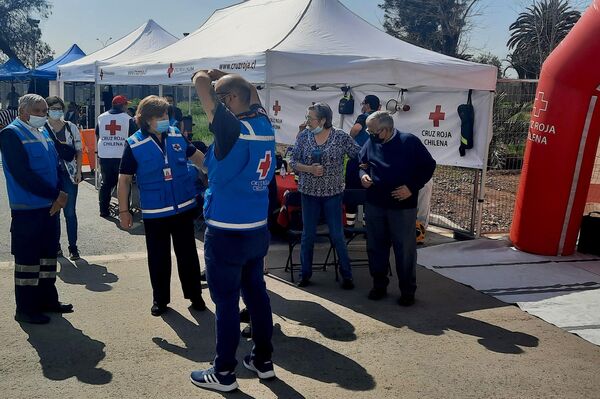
(216,74)
(302,126)
(201,74)
(59,203)
(78,178)
(366,181)
(126,220)
(401,193)
(317,170)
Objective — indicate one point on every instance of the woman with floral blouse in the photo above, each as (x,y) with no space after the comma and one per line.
(318,158)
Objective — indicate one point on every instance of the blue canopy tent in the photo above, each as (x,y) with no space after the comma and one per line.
(11,70)
(49,70)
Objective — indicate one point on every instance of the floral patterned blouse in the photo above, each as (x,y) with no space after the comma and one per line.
(331,154)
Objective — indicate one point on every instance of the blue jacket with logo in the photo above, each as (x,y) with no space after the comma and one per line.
(42,161)
(238,197)
(163,177)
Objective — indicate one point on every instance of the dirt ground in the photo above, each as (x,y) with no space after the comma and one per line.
(453,197)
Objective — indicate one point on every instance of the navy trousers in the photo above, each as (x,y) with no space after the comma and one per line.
(33,244)
(234,263)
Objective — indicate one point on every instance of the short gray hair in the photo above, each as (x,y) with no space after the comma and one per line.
(383,118)
(29,100)
(323,111)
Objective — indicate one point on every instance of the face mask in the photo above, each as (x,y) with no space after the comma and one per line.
(55,114)
(37,121)
(376,139)
(316,130)
(162,126)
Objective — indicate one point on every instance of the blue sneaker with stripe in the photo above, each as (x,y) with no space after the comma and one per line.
(264,370)
(211,379)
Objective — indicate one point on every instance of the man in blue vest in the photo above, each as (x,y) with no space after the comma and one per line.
(240,163)
(31,169)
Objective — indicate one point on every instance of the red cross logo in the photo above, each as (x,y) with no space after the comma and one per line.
(170,70)
(277,107)
(101,74)
(113,128)
(264,166)
(540,104)
(437,116)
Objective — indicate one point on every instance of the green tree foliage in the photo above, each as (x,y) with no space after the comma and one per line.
(536,32)
(20,33)
(490,59)
(437,25)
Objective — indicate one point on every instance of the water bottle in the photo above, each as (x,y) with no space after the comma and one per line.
(316,156)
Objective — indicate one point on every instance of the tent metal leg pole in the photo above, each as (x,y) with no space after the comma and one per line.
(189,100)
(481,199)
(160,90)
(97,88)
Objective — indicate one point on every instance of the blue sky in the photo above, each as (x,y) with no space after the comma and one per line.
(85,21)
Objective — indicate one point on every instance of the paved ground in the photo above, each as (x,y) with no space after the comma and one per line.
(454,343)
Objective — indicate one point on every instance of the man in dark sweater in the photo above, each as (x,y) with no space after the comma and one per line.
(394,167)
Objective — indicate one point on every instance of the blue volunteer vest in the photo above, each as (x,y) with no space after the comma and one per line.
(160,197)
(42,161)
(237,197)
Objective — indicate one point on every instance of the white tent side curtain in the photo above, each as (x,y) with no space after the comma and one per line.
(432,117)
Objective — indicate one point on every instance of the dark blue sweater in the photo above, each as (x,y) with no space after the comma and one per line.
(403,160)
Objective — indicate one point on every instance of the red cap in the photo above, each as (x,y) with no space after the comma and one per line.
(119,100)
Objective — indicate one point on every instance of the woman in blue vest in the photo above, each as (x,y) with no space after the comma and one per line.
(158,155)
(319,160)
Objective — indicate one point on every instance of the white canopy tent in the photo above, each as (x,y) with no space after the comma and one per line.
(146,39)
(301,51)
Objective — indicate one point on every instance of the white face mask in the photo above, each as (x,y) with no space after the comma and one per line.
(37,121)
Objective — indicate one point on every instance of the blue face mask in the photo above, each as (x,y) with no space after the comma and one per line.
(55,114)
(316,130)
(162,126)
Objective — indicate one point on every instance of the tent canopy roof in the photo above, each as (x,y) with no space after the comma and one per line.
(50,69)
(147,38)
(11,68)
(301,42)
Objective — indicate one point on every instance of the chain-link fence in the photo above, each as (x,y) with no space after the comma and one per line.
(455,190)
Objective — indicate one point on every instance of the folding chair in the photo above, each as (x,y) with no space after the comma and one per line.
(293,204)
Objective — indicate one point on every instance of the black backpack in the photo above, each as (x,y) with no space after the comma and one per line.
(65,151)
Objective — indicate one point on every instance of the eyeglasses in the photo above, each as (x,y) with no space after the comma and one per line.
(377,132)
(221,96)
(310,118)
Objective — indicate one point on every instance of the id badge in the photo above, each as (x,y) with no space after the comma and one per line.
(167,174)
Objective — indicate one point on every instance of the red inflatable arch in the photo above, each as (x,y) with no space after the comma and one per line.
(562,142)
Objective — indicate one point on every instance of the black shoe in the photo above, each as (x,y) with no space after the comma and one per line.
(59,307)
(157,309)
(247,332)
(406,300)
(74,254)
(198,304)
(244,316)
(347,284)
(377,293)
(303,283)
(32,318)
(203,276)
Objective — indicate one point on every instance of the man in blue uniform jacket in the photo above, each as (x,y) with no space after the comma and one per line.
(240,163)
(31,170)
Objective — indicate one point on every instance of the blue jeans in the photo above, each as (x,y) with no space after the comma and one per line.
(69,211)
(311,214)
(234,262)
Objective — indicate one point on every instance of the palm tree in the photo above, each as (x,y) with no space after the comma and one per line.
(538,31)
